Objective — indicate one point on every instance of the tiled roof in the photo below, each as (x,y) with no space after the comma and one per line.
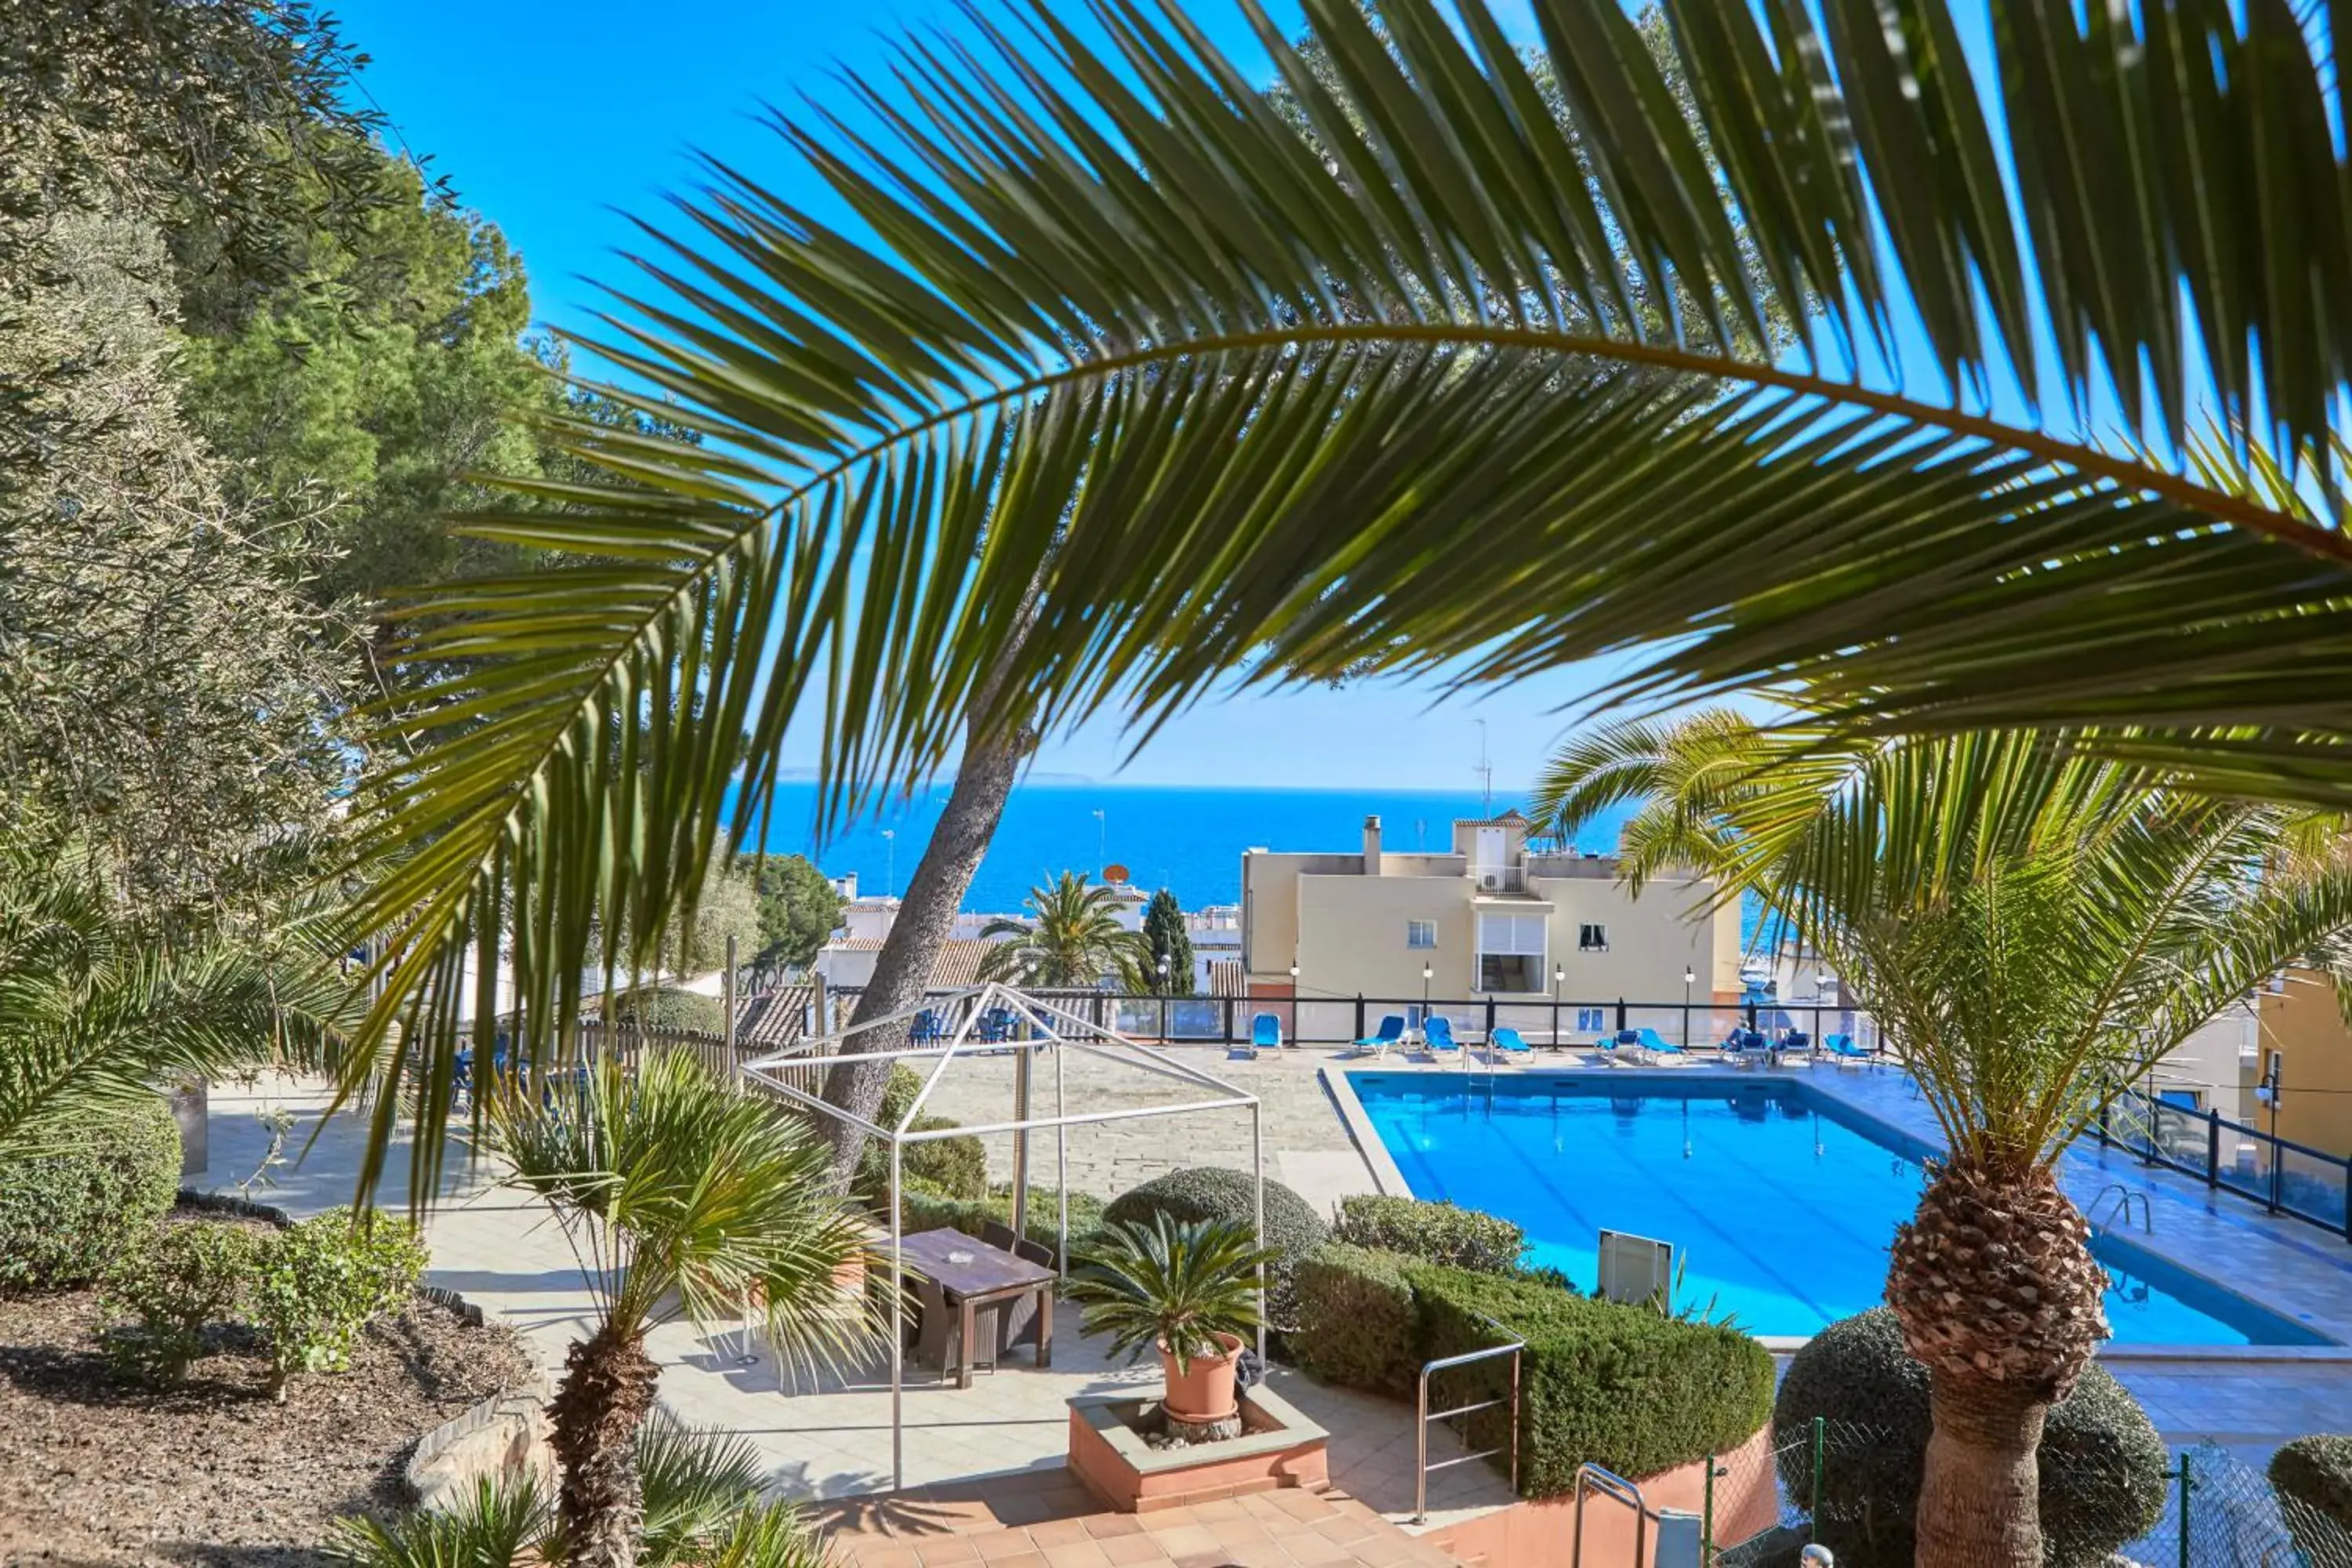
(1226,977)
(958,964)
(773,1019)
(1510,818)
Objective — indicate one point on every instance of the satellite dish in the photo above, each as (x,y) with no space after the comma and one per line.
(1115,873)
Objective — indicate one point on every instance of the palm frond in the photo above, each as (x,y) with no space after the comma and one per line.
(1128,389)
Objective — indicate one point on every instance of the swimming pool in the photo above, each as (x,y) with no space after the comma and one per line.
(1779,1203)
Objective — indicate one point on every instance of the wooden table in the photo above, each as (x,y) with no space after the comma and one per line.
(991,1277)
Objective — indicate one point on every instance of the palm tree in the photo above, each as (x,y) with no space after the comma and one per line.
(1072,938)
(1130,381)
(680,1196)
(100,1005)
(2033,932)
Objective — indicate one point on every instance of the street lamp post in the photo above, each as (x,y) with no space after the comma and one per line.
(1163,998)
(1293,1001)
(1689,977)
(1426,972)
(1559,974)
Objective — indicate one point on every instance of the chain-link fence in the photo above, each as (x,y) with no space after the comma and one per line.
(1851,1488)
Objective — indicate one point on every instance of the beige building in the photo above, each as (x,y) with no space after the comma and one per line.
(2303,1036)
(1491,918)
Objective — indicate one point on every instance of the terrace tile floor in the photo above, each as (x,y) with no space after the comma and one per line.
(824,1434)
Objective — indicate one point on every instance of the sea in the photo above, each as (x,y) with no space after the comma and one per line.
(1186,839)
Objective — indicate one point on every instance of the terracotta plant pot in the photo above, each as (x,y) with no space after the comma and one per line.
(1203,1391)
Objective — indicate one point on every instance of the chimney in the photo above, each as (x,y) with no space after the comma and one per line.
(1371,847)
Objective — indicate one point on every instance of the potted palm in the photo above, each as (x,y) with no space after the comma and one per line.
(1191,1290)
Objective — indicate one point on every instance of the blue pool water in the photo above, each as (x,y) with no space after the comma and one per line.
(1779,1204)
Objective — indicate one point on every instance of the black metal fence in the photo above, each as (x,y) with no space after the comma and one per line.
(1561,1023)
(2284,1176)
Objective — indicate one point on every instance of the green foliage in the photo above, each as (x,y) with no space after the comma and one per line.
(2103,1464)
(1071,938)
(953,1167)
(1603,1382)
(2313,1475)
(1168,947)
(921,1209)
(1431,1232)
(695,1481)
(1357,1322)
(497,1525)
(668,1008)
(1181,1284)
(798,909)
(1293,1228)
(67,1216)
(319,1284)
(189,1278)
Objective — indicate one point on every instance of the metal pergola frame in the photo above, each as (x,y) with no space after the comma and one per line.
(1053,1028)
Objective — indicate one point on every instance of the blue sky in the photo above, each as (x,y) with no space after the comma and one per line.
(549,117)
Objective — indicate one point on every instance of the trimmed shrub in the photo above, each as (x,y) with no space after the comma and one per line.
(1293,1228)
(1432,1233)
(955,1166)
(65,1218)
(1355,1318)
(2102,1465)
(1602,1382)
(320,1283)
(188,1278)
(925,1210)
(668,1009)
(2316,1474)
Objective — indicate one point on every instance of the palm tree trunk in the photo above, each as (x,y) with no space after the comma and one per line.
(1979,1500)
(902,970)
(2002,1302)
(607,1389)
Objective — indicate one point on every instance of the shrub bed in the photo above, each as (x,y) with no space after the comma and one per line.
(189,1278)
(1211,1192)
(923,1209)
(65,1218)
(2103,1464)
(1355,1318)
(2316,1474)
(317,1285)
(1432,1232)
(1602,1382)
(955,1166)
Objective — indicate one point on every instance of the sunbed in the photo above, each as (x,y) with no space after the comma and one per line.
(1377,1044)
(1265,1033)
(1843,1049)
(1506,1041)
(1437,1034)
(1658,1047)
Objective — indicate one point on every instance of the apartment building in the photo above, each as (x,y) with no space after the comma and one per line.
(2306,1048)
(1490,918)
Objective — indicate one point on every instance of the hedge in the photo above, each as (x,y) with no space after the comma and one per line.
(922,1210)
(1213,1191)
(65,1218)
(1355,1318)
(1431,1232)
(670,1009)
(2102,1462)
(1601,1382)
(955,1166)
(2316,1472)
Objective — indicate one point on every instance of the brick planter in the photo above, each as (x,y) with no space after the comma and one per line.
(1277,1447)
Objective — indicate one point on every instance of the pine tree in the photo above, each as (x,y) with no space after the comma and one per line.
(1164,933)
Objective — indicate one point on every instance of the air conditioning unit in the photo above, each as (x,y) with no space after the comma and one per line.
(1490,882)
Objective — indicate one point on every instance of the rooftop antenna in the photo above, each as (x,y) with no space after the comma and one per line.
(1486,771)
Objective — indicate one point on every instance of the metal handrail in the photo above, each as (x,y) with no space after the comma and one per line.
(1610,1484)
(2122,1211)
(1422,1468)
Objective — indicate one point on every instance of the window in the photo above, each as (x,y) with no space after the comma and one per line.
(1592,938)
(1420,933)
(1510,952)
(1590,1019)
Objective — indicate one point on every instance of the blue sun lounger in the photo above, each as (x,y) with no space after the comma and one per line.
(1437,1034)
(1265,1033)
(1657,1045)
(1506,1041)
(1843,1047)
(1377,1044)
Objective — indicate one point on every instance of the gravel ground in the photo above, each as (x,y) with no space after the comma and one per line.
(212,1472)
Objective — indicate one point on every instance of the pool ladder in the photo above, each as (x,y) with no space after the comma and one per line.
(2122,1211)
(1511,1345)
